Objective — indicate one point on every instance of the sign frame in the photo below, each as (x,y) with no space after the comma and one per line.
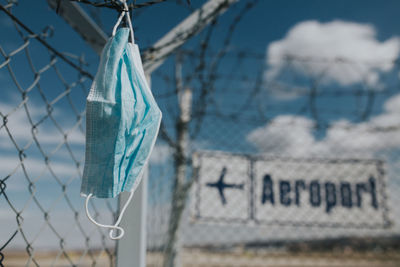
(197,161)
(251,182)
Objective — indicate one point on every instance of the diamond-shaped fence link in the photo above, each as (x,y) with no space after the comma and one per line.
(42,110)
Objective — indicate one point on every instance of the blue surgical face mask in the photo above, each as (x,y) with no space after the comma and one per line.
(122,123)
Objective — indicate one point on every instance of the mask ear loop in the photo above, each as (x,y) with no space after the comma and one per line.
(128,17)
(118,22)
(112,227)
(125,12)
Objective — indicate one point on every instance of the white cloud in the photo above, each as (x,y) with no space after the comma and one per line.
(293,135)
(363,57)
(37,168)
(278,137)
(38,231)
(21,129)
(21,132)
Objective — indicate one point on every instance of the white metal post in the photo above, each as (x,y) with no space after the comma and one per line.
(131,248)
(181,33)
(81,22)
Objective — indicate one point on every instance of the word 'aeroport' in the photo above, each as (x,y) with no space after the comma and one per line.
(328,194)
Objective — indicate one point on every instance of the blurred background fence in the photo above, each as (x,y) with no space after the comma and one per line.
(300,116)
(227,112)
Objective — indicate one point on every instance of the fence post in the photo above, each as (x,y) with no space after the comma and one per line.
(131,249)
(180,189)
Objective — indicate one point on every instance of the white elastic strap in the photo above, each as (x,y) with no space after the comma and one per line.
(125,12)
(118,22)
(128,18)
(112,227)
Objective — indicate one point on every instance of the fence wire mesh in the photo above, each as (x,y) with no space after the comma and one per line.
(330,149)
(316,125)
(42,107)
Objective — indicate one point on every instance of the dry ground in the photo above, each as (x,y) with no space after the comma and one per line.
(198,258)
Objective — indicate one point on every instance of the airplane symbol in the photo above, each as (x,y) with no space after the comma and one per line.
(221,185)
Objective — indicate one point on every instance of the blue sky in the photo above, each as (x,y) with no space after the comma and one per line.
(273,18)
(268,22)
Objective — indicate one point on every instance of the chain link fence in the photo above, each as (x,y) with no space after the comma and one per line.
(290,161)
(291,171)
(42,110)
